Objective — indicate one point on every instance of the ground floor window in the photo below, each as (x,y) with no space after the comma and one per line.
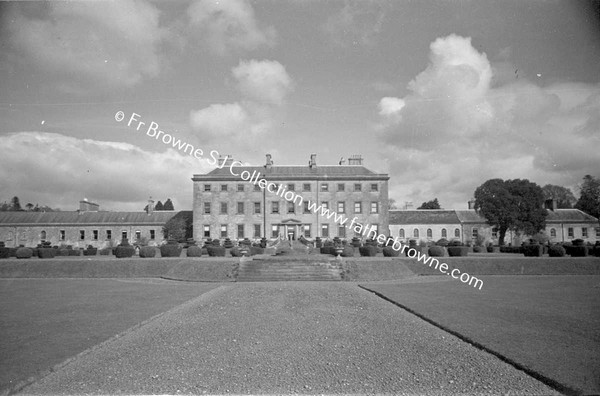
(123,234)
(108,234)
(256,230)
(62,235)
(274,231)
(553,232)
(342,232)
(457,233)
(240,231)
(223,230)
(571,232)
(444,233)
(325,230)
(138,235)
(584,232)
(152,235)
(401,233)
(95,235)
(474,233)
(307,231)
(429,233)
(43,235)
(598,233)
(81,235)
(206,231)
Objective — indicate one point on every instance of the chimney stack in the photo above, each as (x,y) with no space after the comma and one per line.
(87,206)
(313,161)
(551,204)
(269,162)
(471,204)
(150,207)
(355,159)
(225,161)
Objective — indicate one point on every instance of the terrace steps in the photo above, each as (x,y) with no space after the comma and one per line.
(288,269)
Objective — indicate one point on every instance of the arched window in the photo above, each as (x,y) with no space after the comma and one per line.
(416,233)
(429,233)
(444,233)
(401,234)
(457,233)
(553,232)
(43,235)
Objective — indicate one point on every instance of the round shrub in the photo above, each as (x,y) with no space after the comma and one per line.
(124,249)
(368,251)
(389,251)
(356,241)
(227,244)
(215,242)
(44,253)
(533,250)
(418,249)
(235,252)
(456,251)
(24,253)
(105,251)
(348,251)
(216,251)
(147,251)
(436,251)
(442,242)
(556,251)
(194,251)
(170,250)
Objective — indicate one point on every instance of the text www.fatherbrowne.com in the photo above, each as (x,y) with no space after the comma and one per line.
(291,196)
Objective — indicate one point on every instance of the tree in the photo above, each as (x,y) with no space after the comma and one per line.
(158,206)
(29,206)
(511,205)
(589,199)
(168,205)
(15,205)
(563,196)
(392,204)
(179,227)
(434,204)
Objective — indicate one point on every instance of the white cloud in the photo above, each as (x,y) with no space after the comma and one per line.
(88,45)
(229,25)
(263,86)
(263,81)
(59,170)
(457,128)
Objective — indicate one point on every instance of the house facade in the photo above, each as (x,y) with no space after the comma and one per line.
(273,201)
(86,226)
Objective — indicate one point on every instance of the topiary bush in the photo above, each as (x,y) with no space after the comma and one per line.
(328,250)
(235,252)
(194,251)
(442,242)
(578,242)
(215,242)
(418,249)
(556,251)
(436,251)
(90,251)
(105,251)
(348,251)
(356,242)
(368,251)
(456,251)
(24,253)
(533,250)
(124,250)
(74,252)
(227,244)
(216,251)
(4,252)
(479,249)
(579,251)
(170,250)
(389,251)
(597,250)
(147,251)
(511,249)
(47,252)
(256,250)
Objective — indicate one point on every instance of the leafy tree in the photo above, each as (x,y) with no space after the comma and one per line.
(392,204)
(168,205)
(179,227)
(29,206)
(158,206)
(589,200)
(563,196)
(511,205)
(434,204)
(15,205)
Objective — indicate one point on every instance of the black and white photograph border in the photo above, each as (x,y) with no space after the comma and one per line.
(300,197)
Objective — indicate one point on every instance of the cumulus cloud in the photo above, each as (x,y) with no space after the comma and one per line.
(263,87)
(229,26)
(61,170)
(459,127)
(99,45)
(357,23)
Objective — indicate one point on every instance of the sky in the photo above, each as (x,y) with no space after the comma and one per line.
(440,95)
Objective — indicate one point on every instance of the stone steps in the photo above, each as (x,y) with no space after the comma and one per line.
(282,269)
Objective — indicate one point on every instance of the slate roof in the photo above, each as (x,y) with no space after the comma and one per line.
(569,216)
(470,216)
(295,172)
(85,218)
(434,216)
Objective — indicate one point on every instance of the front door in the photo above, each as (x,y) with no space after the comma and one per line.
(291,234)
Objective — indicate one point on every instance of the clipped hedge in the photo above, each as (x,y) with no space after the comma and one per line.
(4,252)
(479,249)
(90,251)
(106,251)
(578,251)
(348,251)
(45,253)
(511,249)
(216,251)
(436,251)
(170,250)
(24,253)
(389,251)
(597,250)
(194,251)
(456,251)
(418,249)
(329,249)
(74,252)
(556,251)
(256,250)
(124,251)
(147,251)
(533,250)
(368,251)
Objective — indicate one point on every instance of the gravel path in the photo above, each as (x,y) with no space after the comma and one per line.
(287,338)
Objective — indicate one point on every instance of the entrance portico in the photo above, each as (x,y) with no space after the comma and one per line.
(291,228)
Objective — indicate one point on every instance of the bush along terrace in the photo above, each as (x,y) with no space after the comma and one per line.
(336,247)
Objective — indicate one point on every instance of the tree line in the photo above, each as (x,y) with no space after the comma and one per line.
(15,206)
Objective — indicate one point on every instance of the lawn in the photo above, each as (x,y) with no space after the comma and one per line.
(549,325)
(46,321)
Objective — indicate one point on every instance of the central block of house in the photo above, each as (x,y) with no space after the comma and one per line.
(274,201)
